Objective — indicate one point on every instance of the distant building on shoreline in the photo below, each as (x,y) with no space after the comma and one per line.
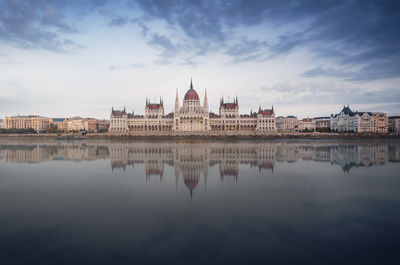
(359,122)
(307,125)
(3,124)
(192,118)
(394,124)
(289,124)
(77,124)
(322,124)
(35,122)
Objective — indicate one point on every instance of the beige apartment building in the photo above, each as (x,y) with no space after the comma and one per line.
(37,123)
(307,124)
(287,124)
(77,124)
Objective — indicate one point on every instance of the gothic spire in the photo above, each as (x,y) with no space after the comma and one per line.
(191,83)
(176,102)
(205,106)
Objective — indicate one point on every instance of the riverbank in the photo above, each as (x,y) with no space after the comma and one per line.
(236,137)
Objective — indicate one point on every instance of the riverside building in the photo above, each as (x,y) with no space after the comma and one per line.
(394,124)
(192,118)
(37,123)
(359,122)
(287,124)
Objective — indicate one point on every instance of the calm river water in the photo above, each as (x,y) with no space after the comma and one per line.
(200,202)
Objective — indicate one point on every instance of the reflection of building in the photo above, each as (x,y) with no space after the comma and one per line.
(192,118)
(37,123)
(192,160)
(359,122)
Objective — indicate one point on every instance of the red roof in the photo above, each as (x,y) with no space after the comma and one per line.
(229,105)
(266,113)
(213,115)
(169,115)
(191,94)
(154,106)
(117,113)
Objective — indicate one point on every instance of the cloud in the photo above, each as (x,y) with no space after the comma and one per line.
(355,33)
(126,67)
(325,92)
(38,25)
(165,45)
(118,21)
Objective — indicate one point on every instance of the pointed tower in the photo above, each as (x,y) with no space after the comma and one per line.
(205,106)
(176,109)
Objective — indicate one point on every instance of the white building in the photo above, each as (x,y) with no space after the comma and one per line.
(359,122)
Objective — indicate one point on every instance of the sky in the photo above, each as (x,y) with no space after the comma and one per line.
(306,58)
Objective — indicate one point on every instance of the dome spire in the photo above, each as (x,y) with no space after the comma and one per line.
(191,83)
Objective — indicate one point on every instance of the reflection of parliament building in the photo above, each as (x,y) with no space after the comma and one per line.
(193,119)
(192,160)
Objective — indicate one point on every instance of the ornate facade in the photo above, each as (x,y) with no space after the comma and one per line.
(359,122)
(192,118)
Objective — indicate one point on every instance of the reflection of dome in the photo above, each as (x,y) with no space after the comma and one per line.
(191,94)
(191,183)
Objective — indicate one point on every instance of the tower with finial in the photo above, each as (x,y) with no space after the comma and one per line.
(176,108)
(205,105)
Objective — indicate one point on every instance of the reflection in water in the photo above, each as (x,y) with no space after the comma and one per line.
(256,202)
(192,160)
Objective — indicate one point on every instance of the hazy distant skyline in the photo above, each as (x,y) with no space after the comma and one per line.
(307,58)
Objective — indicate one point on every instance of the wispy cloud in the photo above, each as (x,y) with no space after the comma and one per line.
(126,67)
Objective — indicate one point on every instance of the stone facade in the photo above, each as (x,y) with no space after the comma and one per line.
(394,124)
(307,125)
(322,124)
(37,123)
(287,124)
(192,118)
(359,122)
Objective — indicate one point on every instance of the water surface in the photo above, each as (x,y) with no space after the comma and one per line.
(199,202)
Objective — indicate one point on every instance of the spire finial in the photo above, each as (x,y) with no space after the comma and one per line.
(191,83)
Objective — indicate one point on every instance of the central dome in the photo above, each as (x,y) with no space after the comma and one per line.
(191,94)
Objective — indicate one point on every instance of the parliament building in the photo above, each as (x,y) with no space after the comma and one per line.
(193,119)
